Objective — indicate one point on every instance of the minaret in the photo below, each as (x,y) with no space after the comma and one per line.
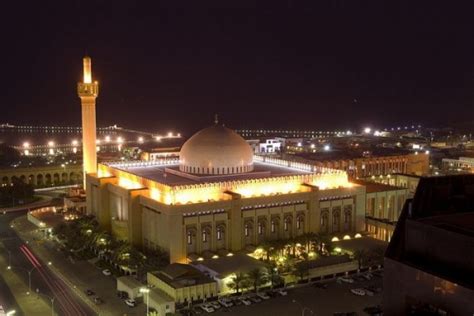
(88,92)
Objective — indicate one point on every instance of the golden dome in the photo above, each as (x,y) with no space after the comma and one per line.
(216,150)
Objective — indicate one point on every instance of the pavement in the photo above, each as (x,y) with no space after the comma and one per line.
(78,275)
(322,302)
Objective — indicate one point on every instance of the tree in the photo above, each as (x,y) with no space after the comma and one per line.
(361,256)
(273,274)
(301,270)
(257,277)
(237,282)
(377,254)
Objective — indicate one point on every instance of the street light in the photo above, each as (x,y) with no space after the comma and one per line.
(50,298)
(146,291)
(303,308)
(29,273)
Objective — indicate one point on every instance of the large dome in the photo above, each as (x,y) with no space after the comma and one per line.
(216,150)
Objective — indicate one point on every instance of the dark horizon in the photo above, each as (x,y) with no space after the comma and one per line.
(310,66)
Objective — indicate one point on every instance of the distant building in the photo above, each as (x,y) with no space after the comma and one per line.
(429,263)
(463,164)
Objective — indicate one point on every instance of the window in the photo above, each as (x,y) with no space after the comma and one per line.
(273,226)
(204,236)
(299,221)
(219,233)
(246,230)
(285,225)
(260,228)
(189,238)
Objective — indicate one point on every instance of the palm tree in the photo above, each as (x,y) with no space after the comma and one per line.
(267,248)
(257,277)
(301,270)
(273,274)
(361,256)
(237,282)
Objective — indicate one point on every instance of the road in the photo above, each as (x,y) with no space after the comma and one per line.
(25,262)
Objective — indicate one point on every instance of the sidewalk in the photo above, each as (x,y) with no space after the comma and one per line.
(78,275)
(29,304)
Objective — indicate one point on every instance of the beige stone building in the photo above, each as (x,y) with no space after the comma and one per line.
(220,198)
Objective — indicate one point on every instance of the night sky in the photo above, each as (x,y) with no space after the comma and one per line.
(293,64)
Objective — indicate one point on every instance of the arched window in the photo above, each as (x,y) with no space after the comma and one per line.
(273,226)
(246,230)
(219,233)
(204,235)
(261,228)
(299,222)
(286,224)
(189,237)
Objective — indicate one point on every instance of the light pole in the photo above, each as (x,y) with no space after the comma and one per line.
(50,298)
(29,273)
(146,291)
(303,308)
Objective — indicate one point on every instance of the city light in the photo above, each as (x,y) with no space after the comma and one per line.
(74,142)
(327,147)
(50,143)
(107,138)
(170,134)
(119,140)
(26,145)
(367,130)
(140,139)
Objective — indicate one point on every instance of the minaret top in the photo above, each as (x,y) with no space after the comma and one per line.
(87,69)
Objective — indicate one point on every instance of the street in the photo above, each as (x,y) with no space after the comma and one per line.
(44,283)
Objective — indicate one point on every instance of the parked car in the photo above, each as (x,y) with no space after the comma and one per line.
(263,296)
(98,300)
(367,276)
(359,292)
(255,299)
(245,301)
(369,292)
(225,302)
(89,292)
(207,309)
(214,305)
(130,302)
(345,279)
(282,292)
(106,272)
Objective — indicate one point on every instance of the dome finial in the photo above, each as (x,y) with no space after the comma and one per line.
(216,119)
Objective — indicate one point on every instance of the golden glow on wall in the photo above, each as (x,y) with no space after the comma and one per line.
(217,191)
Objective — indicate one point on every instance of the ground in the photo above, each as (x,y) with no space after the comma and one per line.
(336,298)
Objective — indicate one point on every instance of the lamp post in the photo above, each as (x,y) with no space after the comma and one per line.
(29,273)
(146,291)
(50,298)
(303,308)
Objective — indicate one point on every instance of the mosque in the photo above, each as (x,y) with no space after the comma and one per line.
(219,198)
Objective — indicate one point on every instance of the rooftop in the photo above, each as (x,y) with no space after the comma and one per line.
(180,275)
(372,187)
(170,174)
(225,266)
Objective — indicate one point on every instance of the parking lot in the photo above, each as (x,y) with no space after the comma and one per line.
(337,297)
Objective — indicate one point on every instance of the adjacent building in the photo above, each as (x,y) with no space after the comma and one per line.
(429,262)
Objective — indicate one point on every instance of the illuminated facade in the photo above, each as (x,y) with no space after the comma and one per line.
(88,92)
(192,214)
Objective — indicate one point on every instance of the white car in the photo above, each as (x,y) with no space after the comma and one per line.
(345,279)
(282,292)
(226,302)
(130,302)
(214,305)
(359,292)
(207,308)
(367,276)
(106,272)
(245,301)
(263,296)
